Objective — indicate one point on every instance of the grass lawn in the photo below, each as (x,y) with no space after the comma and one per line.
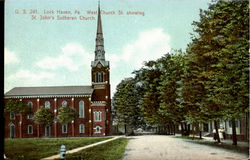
(37,148)
(112,150)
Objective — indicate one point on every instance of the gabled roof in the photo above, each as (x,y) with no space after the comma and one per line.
(104,63)
(51,91)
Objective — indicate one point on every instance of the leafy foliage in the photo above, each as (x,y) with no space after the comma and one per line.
(66,114)
(217,65)
(44,116)
(16,106)
(170,87)
(207,83)
(147,79)
(126,103)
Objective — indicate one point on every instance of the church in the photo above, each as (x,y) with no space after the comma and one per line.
(92,103)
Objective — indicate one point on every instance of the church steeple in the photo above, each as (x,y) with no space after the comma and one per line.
(99,46)
(99,49)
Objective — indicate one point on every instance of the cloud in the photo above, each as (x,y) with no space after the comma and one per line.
(26,75)
(150,45)
(73,56)
(114,60)
(10,57)
(27,78)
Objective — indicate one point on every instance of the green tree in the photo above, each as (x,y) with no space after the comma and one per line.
(170,86)
(125,103)
(218,62)
(229,86)
(148,78)
(44,116)
(66,114)
(17,106)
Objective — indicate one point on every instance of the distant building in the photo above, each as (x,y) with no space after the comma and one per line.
(91,102)
(242,128)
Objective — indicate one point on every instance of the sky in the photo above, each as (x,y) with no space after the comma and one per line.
(42,49)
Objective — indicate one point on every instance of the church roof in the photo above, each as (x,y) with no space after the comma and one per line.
(51,91)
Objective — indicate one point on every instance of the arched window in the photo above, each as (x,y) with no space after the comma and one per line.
(97,129)
(96,76)
(47,104)
(81,109)
(99,77)
(81,128)
(64,104)
(30,104)
(102,76)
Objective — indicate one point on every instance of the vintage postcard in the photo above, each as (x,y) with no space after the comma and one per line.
(126,79)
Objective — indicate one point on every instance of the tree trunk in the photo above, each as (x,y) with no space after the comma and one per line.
(185,129)
(174,128)
(200,125)
(234,132)
(116,129)
(182,130)
(217,133)
(193,130)
(125,127)
(247,127)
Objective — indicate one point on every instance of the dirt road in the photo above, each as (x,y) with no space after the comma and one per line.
(157,147)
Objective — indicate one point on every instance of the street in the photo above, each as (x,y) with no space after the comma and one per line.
(160,147)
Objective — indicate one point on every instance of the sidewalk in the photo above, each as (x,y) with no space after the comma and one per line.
(80,148)
(226,142)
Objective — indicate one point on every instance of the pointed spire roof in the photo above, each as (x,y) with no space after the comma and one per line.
(99,23)
(99,48)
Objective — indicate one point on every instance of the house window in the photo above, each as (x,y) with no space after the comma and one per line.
(47,104)
(64,128)
(64,103)
(30,104)
(12,115)
(98,116)
(98,129)
(30,129)
(29,116)
(81,109)
(81,128)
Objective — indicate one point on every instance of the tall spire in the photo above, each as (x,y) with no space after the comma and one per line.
(99,25)
(99,49)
